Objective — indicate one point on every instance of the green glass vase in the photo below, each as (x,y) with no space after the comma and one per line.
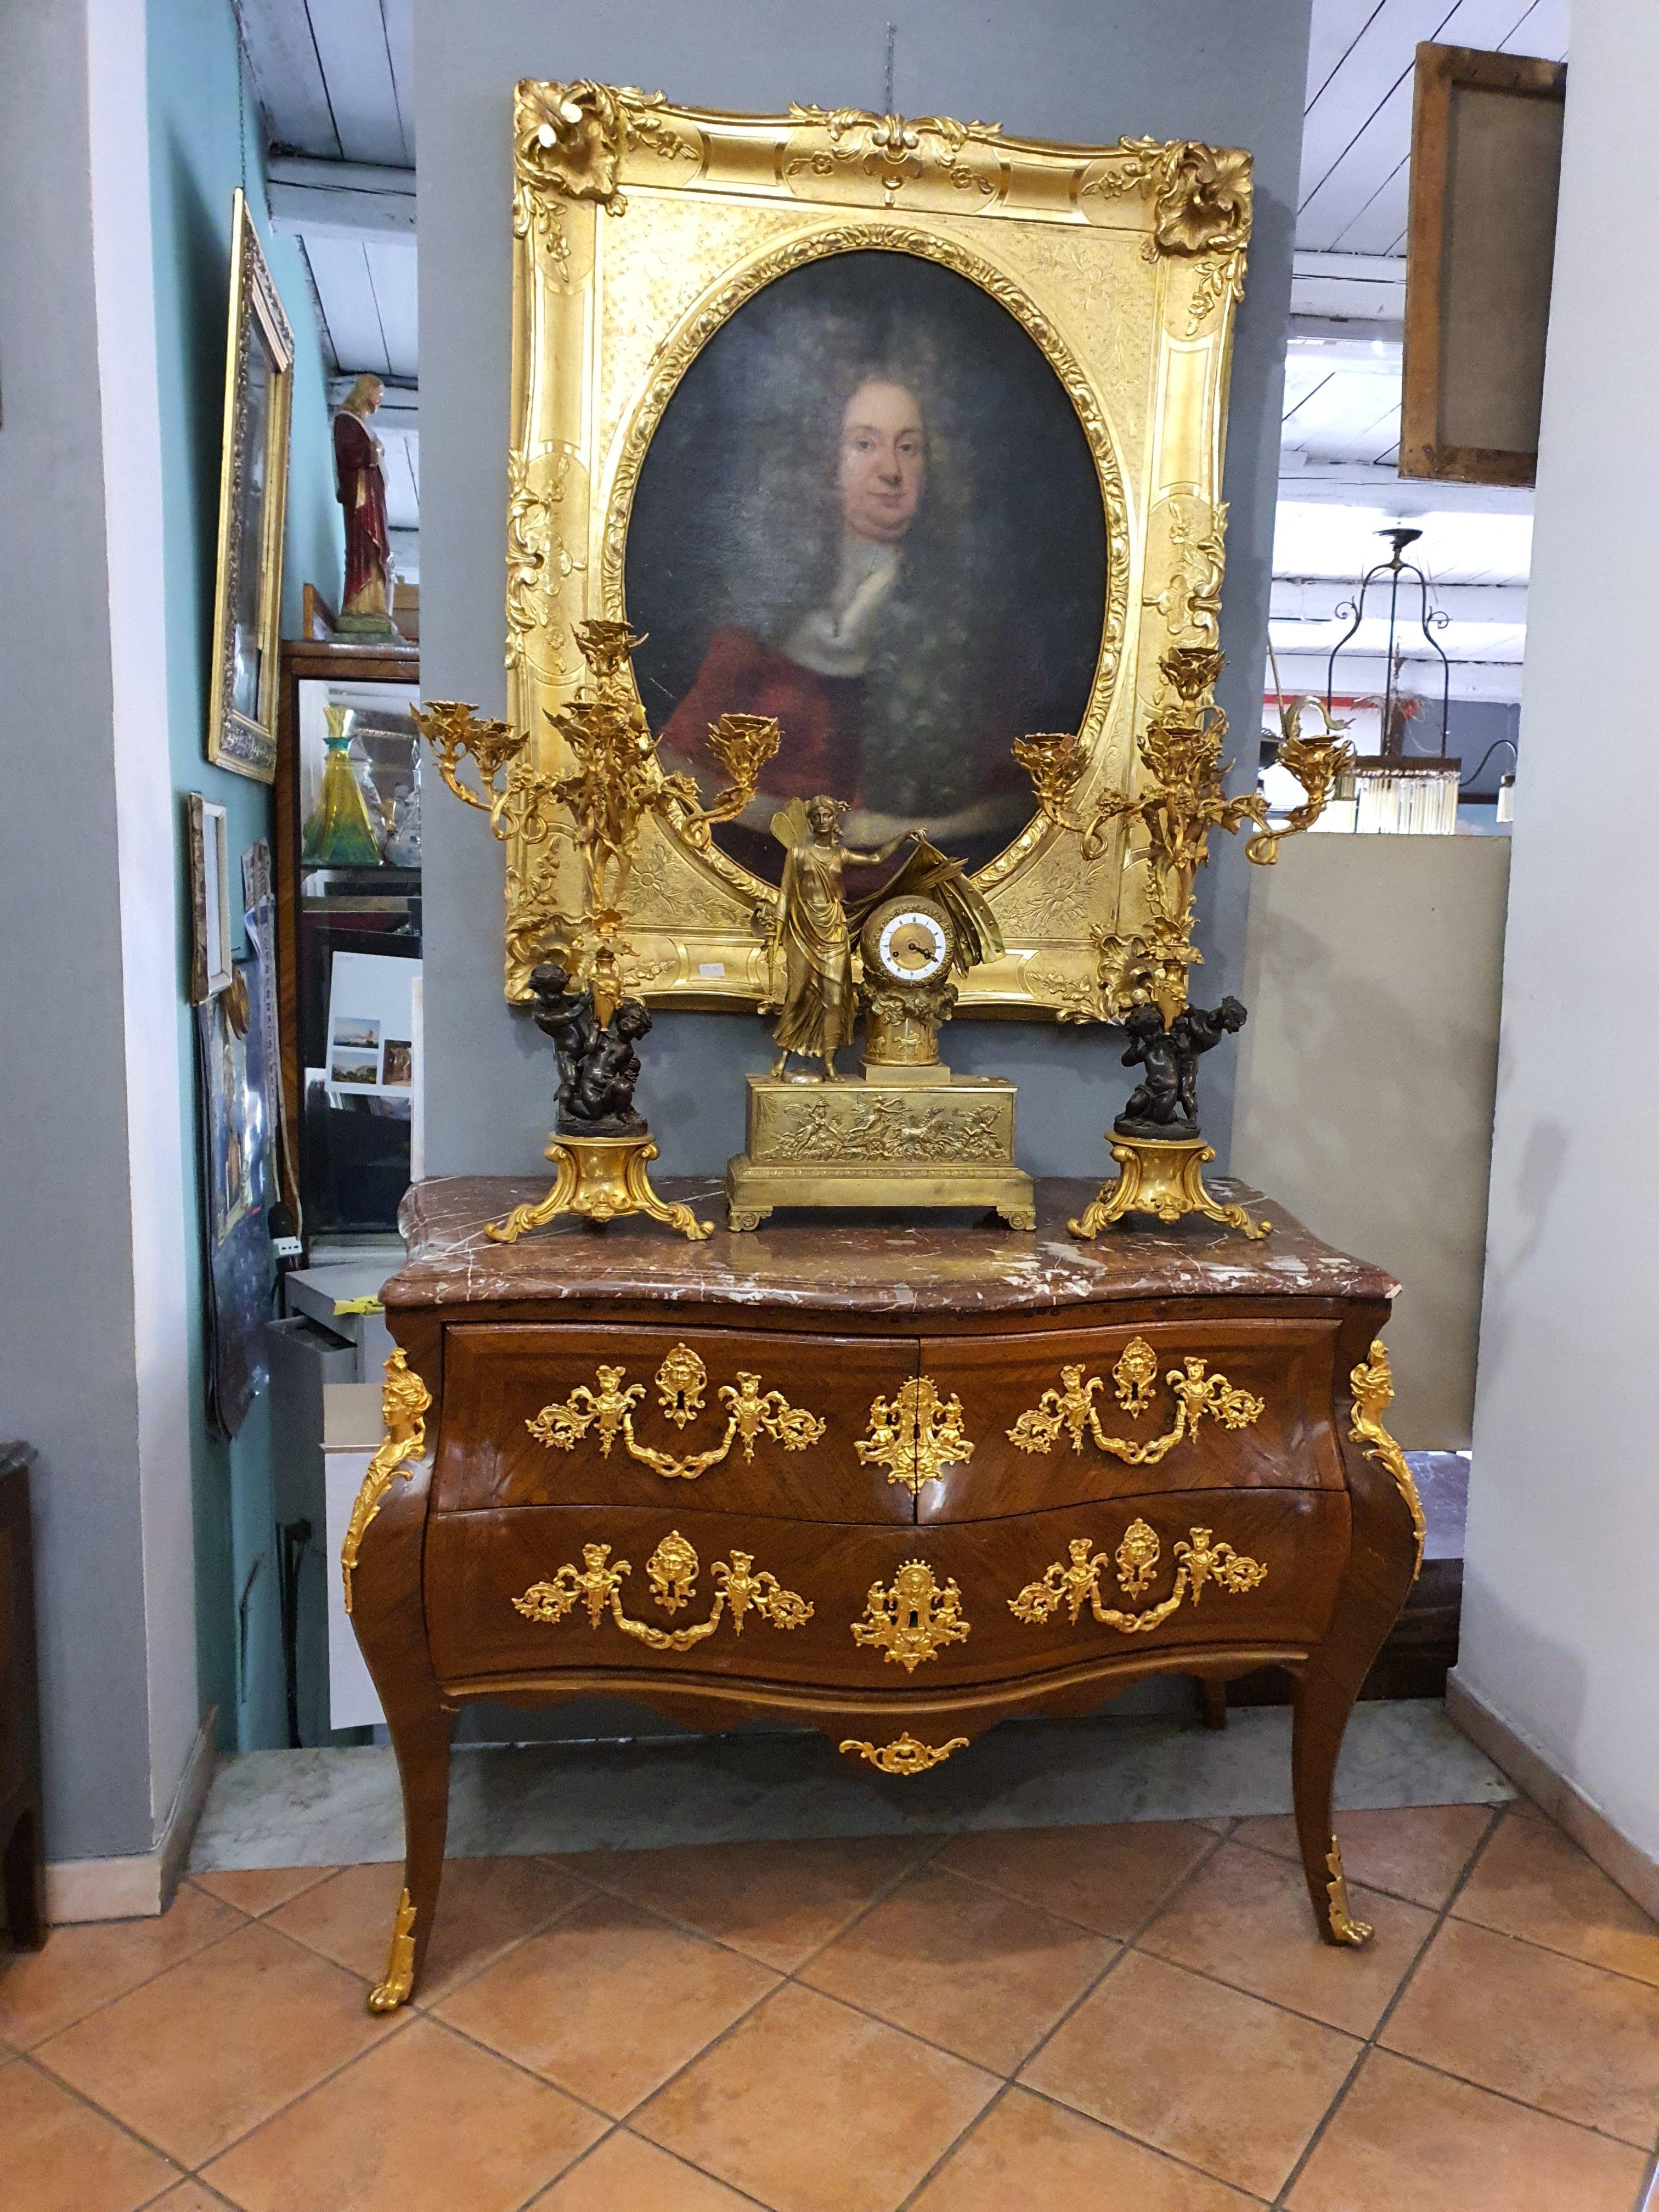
(340,833)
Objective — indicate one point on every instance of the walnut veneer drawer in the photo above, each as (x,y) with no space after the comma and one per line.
(1062,1417)
(542,1590)
(754,1423)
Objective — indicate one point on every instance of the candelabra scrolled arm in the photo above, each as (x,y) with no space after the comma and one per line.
(456,733)
(1180,802)
(1056,761)
(742,744)
(1316,762)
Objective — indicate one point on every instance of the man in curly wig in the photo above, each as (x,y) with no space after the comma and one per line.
(858,563)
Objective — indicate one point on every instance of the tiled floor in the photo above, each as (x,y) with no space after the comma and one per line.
(1057,2018)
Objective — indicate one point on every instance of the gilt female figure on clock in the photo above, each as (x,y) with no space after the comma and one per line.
(818,1005)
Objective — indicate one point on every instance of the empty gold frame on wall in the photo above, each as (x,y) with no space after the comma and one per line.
(248,597)
(643,232)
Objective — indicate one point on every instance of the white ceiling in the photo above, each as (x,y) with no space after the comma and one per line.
(1339,481)
(334,82)
(334,77)
(1356,136)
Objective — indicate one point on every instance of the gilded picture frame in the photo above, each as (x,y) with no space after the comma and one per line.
(209,851)
(641,231)
(247,599)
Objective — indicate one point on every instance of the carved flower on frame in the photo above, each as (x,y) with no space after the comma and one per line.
(569,137)
(1205,207)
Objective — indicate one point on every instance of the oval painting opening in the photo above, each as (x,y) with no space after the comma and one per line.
(870,510)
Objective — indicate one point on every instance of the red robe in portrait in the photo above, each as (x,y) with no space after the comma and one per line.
(820,717)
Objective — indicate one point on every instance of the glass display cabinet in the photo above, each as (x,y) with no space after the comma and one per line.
(348,792)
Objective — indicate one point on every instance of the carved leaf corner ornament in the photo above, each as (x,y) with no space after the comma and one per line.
(1201,208)
(404,1402)
(1372,1384)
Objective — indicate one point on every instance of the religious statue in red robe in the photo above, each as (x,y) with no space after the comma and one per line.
(360,477)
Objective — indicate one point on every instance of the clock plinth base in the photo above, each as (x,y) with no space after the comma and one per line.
(934,1074)
(1163,1177)
(888,1140)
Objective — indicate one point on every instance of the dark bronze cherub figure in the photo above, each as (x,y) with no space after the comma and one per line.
(1170,1055)
(598,1066)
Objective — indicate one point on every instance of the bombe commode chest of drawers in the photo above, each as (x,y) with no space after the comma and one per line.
(893,1482)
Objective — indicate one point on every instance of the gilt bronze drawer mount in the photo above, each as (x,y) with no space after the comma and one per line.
(681,1381)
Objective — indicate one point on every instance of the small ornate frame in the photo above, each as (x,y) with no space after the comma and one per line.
(639,228)
(252,503)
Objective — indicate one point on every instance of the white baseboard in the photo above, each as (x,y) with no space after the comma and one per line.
(141,1885)
(1523,1761)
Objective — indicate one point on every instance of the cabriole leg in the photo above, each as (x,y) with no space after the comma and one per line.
(1323,1702)
(422,1742)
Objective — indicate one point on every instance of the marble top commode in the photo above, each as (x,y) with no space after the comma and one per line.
(927,1265)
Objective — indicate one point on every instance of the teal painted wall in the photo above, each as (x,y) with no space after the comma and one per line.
(204,141)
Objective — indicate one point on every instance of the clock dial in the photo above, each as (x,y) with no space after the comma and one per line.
(913,946)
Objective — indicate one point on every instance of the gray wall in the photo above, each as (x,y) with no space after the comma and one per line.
(1072,69)
(1560,1634)
(1374,969)
(68,1376)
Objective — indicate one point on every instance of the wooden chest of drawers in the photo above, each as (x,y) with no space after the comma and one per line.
(893,1483)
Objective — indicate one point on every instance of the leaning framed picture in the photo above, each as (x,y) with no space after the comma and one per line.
(1480,257)
(906,433)
(241,731)
(210,899)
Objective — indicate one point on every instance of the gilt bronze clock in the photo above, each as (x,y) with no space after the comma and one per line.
(911,1134)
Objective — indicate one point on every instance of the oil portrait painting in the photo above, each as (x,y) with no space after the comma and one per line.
(871,511)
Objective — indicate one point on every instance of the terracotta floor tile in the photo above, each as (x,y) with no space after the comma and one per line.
(188,2196)
(1534,1881)
(1028,2152)
(427,2121)
(609,2002)
(57,2156)
(962,1965)
(85,1966)
(812,2108)
(778,1902)
(1108,1879)
(199,2056)
(626,2175)
(1245,1918)
(1404,2138)
(1212,2076)
(257,1890)
(1572,2040)
(1413,1851)
(484,1905)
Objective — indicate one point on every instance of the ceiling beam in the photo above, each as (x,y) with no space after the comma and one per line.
(1313,599)
(340,199)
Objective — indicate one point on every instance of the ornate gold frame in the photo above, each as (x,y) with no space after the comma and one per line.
(244,743)
(639,229)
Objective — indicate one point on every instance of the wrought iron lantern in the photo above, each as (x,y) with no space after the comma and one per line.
(1396,790)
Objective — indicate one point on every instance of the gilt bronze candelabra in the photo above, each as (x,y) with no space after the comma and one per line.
(1181,801)
(598,802)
